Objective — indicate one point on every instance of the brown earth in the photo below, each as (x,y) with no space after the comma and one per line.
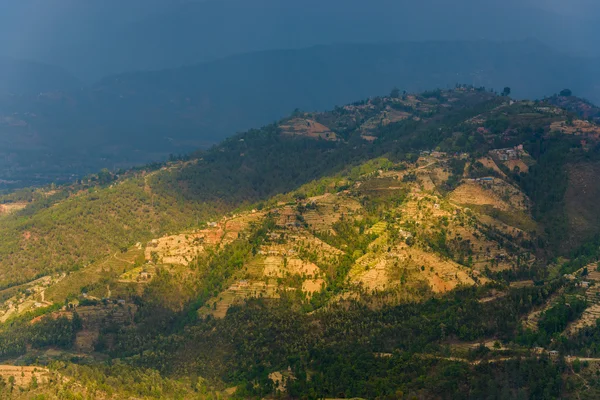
(181,249)
(308,128)
(6,209)
(511,164)
(474,193)
(579,127)
(489,163)
(24,375)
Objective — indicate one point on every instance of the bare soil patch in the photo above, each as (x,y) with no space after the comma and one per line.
(473,193)
(6,209)
(308,128)
(489,163)
(24,375)
(511,164)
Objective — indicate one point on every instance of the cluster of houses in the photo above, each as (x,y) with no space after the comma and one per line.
(433,153)
(583,284)
(511,153)
(549,110)
(441,154)
(485,179)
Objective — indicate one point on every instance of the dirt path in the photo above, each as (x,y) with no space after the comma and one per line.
(584,359)
(426,166)
(120,259)
(147,187)
(502,359)
(475,362)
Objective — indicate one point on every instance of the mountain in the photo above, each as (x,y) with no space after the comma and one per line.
(134,118)
(20,77)
(582,107)
(429,245)
(94,40)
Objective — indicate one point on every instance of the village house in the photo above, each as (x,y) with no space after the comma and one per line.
(405,234)
(508,154)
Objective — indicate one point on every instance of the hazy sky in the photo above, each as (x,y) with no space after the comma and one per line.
(96,37)
(581,8)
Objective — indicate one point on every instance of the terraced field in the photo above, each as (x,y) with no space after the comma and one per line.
(89,278)
(592,295)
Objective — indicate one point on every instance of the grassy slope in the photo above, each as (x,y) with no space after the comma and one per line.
(70,233)
(207,348)
(85,227)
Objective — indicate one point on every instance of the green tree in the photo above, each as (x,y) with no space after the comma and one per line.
(566,93)
(577,365)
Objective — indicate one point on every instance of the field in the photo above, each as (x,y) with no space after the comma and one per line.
(475,193)
(307,128)
(23,376)
(27,297)
(9,208)
(182,248)
(578,127)
(89,278)
(592,295)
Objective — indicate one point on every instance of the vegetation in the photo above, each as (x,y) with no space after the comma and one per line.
(379,263)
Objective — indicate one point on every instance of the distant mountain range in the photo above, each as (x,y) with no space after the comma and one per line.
(138,117)
(22,77)
(99,38)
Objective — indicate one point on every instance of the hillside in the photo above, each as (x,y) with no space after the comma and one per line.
(584,108)
(134,118)
(405,245)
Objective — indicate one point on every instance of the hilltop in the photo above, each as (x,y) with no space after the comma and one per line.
(62,134)
(386,238)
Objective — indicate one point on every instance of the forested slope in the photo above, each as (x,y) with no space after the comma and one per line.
(438,245)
